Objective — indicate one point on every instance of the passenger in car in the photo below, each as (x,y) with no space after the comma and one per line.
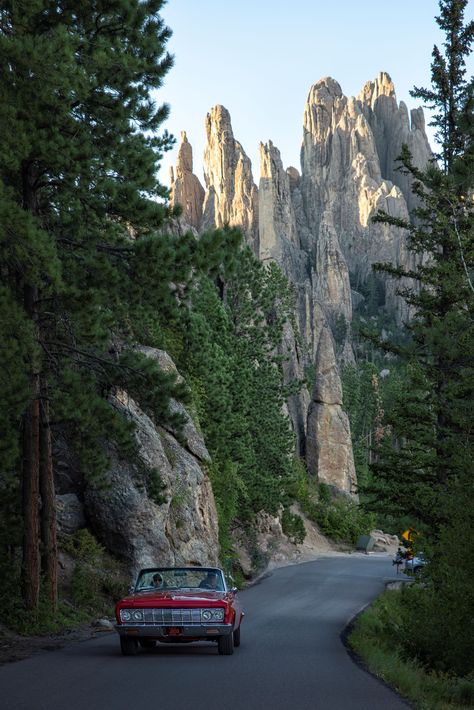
(158,581)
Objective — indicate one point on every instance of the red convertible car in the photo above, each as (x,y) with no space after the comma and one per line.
(179,605)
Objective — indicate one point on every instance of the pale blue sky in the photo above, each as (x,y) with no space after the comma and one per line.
(259,59)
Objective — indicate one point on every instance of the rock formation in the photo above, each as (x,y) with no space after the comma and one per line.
(341,182)
(178,528)
(318,227)
(231,194)
(392,127)
(328,441)
(186,190)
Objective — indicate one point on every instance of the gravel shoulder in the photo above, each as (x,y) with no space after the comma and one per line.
(14,647)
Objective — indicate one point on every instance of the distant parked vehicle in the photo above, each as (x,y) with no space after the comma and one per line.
(179,605)
(415,564)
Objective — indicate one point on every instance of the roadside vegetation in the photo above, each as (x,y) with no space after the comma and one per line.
(338,517)
(380,638)
(90,583)
(421,466)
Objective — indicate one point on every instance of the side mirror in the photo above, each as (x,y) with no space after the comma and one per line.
(131,589)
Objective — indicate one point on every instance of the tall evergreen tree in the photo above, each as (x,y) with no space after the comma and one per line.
(431,426)
(426,468)
(83,259)
(229,354)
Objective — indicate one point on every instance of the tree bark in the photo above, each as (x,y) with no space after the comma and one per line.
(30,483)
(48,504)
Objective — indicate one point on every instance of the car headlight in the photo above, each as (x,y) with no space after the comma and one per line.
(212,614)
(125,615)
(138,616)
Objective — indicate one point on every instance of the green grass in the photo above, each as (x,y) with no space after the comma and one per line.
(376,638)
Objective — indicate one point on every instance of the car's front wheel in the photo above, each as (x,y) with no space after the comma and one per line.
(128,646)
(237,637)
(225,645)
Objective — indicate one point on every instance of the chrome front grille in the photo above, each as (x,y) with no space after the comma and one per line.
(170,617)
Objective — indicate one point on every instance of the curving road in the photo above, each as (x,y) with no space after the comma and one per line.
(291,656)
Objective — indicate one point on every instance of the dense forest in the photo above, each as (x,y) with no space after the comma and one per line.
(420,467)
(92,264)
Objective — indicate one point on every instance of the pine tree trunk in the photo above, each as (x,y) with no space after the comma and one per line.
(30,571)
(30,484)
(48,505)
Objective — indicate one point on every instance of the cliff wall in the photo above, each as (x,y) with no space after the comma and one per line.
(317,225)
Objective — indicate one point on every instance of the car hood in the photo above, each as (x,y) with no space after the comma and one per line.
(170,597)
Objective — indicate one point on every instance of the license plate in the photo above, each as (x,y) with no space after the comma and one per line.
(174,631)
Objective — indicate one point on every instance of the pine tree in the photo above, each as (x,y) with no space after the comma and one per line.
(426,468)
(228,352)
(82,254)
(433,443)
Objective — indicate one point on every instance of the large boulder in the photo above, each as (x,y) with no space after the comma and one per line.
(178,525)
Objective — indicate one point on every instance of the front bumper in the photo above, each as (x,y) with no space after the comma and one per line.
(196,631)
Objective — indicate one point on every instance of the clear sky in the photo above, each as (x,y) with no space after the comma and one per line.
(259,59)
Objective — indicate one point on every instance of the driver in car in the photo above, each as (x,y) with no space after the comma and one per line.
(211,581)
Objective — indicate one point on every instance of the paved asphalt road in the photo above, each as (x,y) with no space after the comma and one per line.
(291,656)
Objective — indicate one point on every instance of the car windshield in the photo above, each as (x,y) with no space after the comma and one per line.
(180,578)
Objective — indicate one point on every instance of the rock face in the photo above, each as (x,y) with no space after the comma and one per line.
(392,127)
(69,513)
(328,443)
(180,527)
(186,190)
(318,227)
(231,194)
(342,184)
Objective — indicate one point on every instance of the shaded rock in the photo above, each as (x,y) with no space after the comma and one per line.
(193,438)
(178,528)
(69,513)
(384,542)
(103,625)
(348,145)
(277,223)
(332,286)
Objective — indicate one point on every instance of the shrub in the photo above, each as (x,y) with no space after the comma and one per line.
(340,519)
(293,526)
(380,637)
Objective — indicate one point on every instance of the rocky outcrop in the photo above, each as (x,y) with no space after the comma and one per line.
(231,194)
(392,127)
(349,173)
(69,513)
(328,443)
(318,272)
(185,189)
(318,227)
(342,184)
(278,236)
(177,526)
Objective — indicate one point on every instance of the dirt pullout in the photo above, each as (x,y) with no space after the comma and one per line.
(14,647)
